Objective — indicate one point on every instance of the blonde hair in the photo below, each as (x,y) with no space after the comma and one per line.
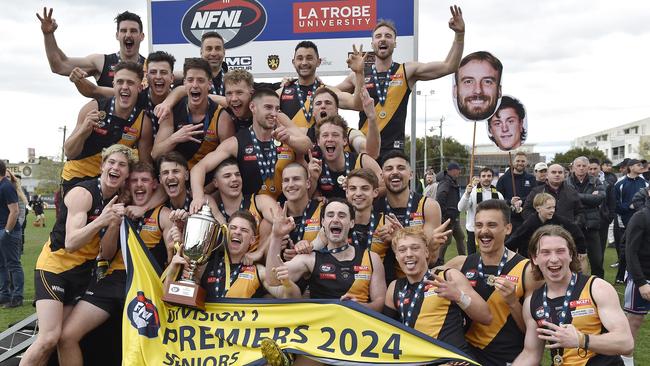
(131,154)
(541,198)
(416,232)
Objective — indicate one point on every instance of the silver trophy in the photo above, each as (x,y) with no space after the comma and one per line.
(203,235)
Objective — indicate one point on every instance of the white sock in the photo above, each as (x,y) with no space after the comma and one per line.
(628,361)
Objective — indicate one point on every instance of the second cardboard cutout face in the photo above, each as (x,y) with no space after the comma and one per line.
(508,127)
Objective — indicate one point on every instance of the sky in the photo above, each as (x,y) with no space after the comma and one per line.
(578,66)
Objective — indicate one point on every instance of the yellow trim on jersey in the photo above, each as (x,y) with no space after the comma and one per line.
(60,260)
(397,90)
(480,335)
(360,288)
(286,156)
(210,140)
(246,284)
(90,166)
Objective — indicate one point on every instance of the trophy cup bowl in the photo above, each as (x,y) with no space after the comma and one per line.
(203,235)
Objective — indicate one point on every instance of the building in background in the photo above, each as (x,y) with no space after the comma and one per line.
(39,174)
(630,140)
(488,155)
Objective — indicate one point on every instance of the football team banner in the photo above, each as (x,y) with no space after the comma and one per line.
(260,35)
(229,332)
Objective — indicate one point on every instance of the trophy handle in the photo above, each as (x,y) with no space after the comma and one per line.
(223,238)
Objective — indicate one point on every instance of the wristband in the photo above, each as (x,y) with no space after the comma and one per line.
(465,300)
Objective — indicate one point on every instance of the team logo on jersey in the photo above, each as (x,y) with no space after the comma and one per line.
(471,274)
(237,21)
(579,302)
(326,267)
(143,315)
(273,61)
(539,313)
(249,149)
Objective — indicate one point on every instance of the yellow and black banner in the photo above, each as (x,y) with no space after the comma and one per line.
(229,332)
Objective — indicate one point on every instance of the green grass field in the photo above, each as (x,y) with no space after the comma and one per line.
(35,237)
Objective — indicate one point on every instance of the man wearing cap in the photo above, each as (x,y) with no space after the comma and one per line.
(448,196)
(540,173)
(624,190)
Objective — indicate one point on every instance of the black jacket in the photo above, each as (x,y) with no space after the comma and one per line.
(448,195)
(608,208)
(637,246)
(519,240)
(590,202)
(567,203)
(523,184)
(641,198)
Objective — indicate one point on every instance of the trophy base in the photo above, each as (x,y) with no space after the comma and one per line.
(185,293)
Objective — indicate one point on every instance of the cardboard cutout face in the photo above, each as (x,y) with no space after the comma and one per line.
(508,127)
(477,86)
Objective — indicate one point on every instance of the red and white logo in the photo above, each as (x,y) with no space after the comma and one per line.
(334,16)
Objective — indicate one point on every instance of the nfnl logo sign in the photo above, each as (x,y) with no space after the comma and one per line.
(237,21)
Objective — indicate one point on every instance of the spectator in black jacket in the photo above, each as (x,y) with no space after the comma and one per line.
(592,194)
(448,195)
(637,253)
(544,204)
(606,167)
(524,182)
(567,201)
(608,207)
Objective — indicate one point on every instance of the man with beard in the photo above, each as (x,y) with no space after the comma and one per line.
(477,87)
(326,104)
(434,302)
(401,208)
(160,68)
(357,274)
(296,96)
(328,175)
(592,194)
(502,278)
(577,317)
(107,121)
(102,67)
(507,128)
(63,269)
(173,174)
(105,296)
(523,183)
(192,128)
(390,83)
(262,150)
(471,198)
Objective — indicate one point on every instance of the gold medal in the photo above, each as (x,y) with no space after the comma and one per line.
(491,280)
(264,187)
(382,114)
(341,179)
(277,143)
(102,115)
(272,189)
(558,360)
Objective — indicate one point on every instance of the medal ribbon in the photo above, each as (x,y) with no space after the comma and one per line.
(223,290)
(266,166)
(303,222)
(382,88)
(371,230)
(213,90)
(504,259)
(328,175)
(111,112)
(222,209)
(336,250)
(409,206)
(302,100)
(561,317)
(407,314)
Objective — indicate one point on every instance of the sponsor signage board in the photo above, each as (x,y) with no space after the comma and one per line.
(260,35)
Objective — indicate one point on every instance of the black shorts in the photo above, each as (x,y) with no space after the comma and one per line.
(66,287)
(109,293)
